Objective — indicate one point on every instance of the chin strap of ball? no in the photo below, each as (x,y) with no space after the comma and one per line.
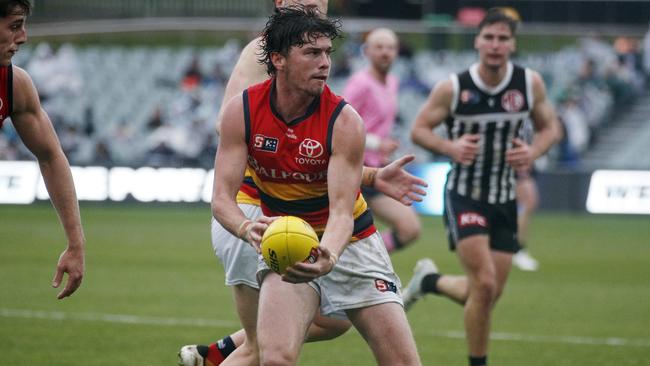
(243,229)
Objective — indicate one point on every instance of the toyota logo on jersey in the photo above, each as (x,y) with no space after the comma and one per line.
(311,148)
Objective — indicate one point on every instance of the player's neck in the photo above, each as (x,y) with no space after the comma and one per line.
(290,103)
(492,76)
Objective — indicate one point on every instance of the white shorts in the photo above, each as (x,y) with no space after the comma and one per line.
(239,259)
(363,277)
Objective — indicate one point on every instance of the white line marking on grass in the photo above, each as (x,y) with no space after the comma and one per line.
(534,338)
(117,318)
(202,322)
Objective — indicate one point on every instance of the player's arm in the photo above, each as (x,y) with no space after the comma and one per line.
(395,182)
(36,130)
(547,129)
(434,111)
(343,180)
(229,166)
(247,72)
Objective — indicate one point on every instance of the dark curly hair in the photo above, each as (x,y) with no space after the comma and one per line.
(8,7)
(294,26)
(497,15)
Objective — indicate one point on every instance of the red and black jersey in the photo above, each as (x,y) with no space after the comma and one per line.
(6,92)
(289,160)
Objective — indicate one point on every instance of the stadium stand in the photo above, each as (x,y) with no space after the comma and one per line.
(110,110)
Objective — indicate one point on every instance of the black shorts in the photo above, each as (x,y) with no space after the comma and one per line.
(471,217)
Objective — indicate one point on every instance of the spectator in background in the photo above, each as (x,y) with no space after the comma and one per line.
(373,93)
(193,76)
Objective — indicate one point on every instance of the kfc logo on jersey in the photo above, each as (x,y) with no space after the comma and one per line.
(471,219)
(310,148)
(512,101)
(264,143)
(1,103)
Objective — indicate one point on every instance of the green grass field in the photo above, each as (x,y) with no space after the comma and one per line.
(153,284)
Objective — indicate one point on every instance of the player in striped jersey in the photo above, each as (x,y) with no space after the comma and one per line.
(240,260)
(294,133)
(19,101)
(483,108)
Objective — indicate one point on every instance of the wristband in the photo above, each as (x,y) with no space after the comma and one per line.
(368,176)
(241,230)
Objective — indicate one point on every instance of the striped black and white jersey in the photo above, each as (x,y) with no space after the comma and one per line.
(497,115)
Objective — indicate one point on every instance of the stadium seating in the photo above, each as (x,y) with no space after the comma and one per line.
(103,108)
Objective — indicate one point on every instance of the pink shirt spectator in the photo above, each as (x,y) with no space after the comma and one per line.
(377,104)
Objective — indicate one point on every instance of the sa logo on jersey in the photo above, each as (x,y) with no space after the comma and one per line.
(264,143)
(310,148)
(512,101)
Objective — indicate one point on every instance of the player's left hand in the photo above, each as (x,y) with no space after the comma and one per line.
(71,262)
(520,156)
(396,183)
(305,272)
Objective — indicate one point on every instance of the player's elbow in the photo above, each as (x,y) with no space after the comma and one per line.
(416,134)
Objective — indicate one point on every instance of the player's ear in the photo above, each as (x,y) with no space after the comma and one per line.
(278,60)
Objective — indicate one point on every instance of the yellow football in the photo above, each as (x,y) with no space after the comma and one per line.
(289,240)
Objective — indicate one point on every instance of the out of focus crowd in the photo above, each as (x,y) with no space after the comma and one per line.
(156,106)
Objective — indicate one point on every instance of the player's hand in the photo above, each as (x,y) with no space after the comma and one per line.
(305,272)
(254,231)
(520,156)
(388,145)
(465,148)
(71,261)
(396,183)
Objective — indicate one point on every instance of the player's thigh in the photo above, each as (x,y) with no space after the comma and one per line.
(394,213)
(246,300)
(284,307)
(382,325)
(475,255)
(326,327)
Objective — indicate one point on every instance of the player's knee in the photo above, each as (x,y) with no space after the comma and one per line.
(277,357)
(485,290)
(325,329)
(408,231)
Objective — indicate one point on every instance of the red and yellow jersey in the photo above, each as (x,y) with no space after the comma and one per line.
(6,92)
(289,160)
(248,190)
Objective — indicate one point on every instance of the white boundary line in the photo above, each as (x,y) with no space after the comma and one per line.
(203,322)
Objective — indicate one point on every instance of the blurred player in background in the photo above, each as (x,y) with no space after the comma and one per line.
(240,259)
(527,202)
(373,93)
(293,124)
(484,108)
(19,101)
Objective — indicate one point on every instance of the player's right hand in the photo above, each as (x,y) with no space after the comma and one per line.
(71,262)
(465,148)
(254,231)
